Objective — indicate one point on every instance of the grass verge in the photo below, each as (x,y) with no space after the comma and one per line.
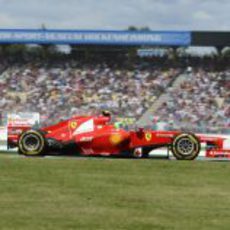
(89,193)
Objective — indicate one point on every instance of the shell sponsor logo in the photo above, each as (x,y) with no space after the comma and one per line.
(115,138)
(86,139)
(73,125)
(148,136)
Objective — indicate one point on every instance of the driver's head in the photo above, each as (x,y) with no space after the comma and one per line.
(106,113)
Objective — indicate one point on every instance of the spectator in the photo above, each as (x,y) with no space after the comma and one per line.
(201,103)
(58,92)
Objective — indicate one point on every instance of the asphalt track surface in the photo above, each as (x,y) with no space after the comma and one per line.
(15,155)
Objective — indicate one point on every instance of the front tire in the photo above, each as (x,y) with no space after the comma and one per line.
(185,146)
(31,143)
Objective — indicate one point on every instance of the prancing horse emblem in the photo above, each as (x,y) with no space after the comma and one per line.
(73,124)
(148,136)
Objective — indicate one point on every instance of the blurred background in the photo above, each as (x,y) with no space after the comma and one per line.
(175,78)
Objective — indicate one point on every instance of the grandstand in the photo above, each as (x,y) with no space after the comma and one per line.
(181,92)
(200,101)
(67,90)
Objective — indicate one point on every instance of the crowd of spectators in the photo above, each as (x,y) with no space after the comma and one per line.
(201,103)
(60,89)
(68,88)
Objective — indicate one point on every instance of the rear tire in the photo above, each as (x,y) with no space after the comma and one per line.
(32,143)
(186,146)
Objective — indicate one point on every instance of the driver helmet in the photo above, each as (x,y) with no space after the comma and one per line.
(106,113)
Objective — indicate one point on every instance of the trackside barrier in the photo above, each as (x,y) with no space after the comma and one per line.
(22,119)
(14,124)
(3,138)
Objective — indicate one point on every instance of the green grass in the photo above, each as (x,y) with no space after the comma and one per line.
(66,193)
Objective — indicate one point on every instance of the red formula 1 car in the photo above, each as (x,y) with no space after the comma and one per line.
(95,136)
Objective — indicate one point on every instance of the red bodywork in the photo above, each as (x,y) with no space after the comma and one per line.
(14,132)
(94,135)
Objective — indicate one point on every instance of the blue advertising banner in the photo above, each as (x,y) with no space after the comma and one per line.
(95,37)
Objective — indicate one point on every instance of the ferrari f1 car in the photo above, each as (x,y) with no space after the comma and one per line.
(96,136)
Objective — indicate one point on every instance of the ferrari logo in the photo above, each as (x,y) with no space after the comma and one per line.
(148,136)
(73,124)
